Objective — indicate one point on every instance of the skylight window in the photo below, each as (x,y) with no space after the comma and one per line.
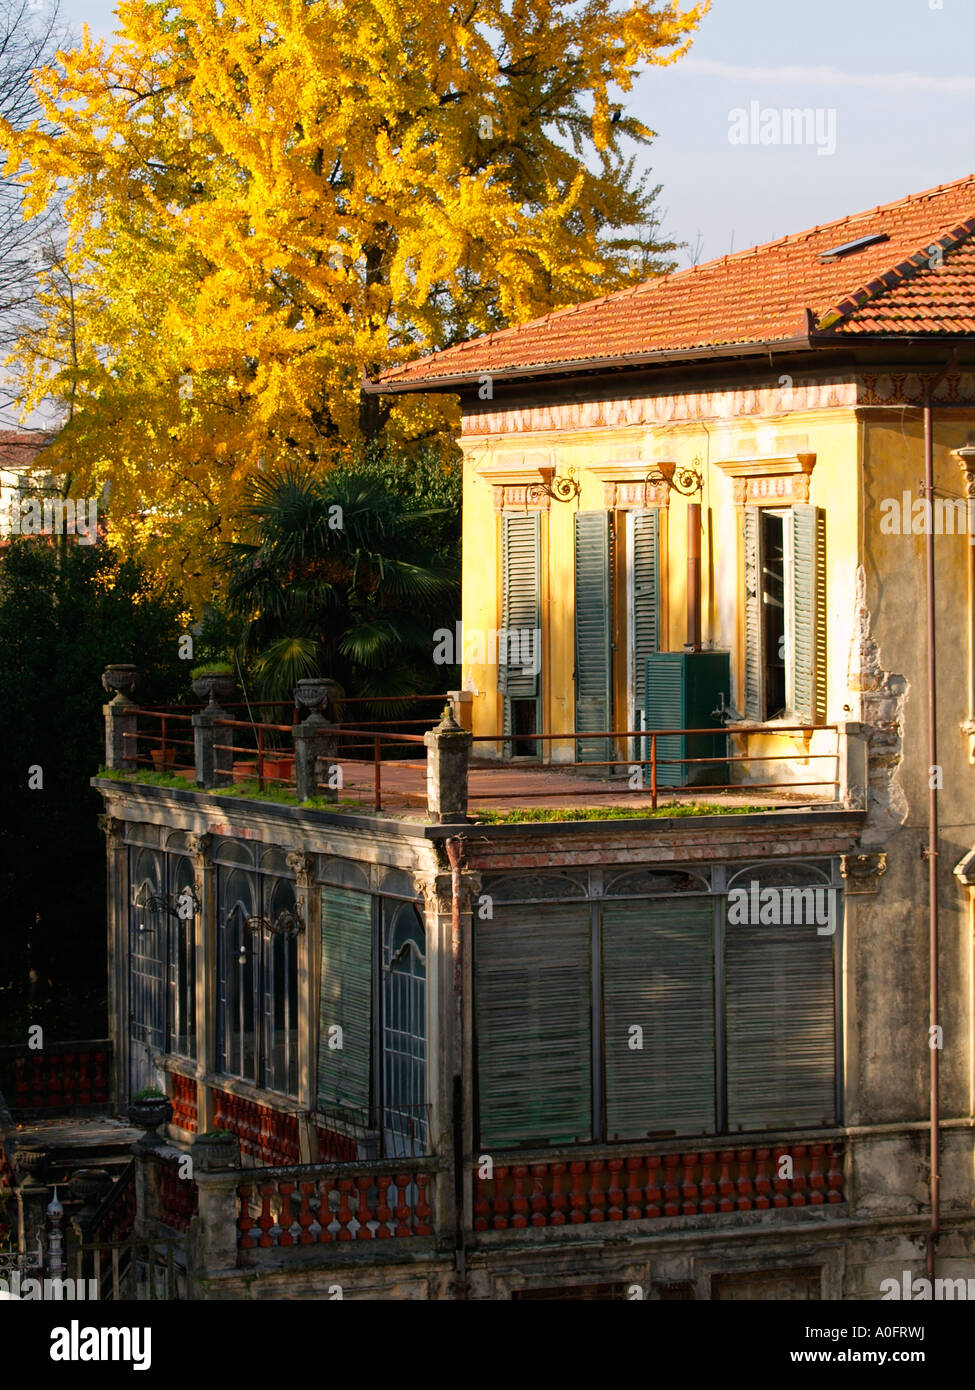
(849,248)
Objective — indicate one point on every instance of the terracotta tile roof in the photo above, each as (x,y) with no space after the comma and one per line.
(19,448)
(769,294)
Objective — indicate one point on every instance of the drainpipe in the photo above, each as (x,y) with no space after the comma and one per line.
(931,849)
(457,858)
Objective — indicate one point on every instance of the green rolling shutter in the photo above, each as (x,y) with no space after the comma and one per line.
(533,1011)
(809,613)
(780,1027)
(646,597)
(658,973)
(593,635)
(520,603)
(753,616)
(346,998)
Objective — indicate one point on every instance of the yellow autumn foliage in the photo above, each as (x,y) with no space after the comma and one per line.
(264,198)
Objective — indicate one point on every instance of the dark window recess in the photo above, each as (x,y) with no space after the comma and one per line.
(524,719)
(773,613)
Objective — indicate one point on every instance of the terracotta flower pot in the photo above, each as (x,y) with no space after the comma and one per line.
(163,762)
(245,771)
(280,769)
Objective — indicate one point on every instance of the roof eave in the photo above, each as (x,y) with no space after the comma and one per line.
(431,385)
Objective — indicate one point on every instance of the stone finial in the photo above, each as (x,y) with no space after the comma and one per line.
(448,760)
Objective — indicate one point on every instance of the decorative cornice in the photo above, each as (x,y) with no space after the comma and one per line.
(436,890)
(770,480)
(199,846)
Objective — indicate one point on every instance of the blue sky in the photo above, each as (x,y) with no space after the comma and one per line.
(893,79)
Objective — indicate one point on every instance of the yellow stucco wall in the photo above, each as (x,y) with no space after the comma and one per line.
(831,434)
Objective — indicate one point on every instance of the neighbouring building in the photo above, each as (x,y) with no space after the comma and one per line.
(682,1057)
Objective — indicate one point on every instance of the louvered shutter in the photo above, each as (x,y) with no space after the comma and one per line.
(646,598)
(520,585)
(809,613)
(753,616)
(533,1023)
(780,1028)
(593,635)
(346,998)
(658,974)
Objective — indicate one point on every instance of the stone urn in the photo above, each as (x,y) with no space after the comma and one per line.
(32,1162)
(216,1152)
(150,1112)
(314,692)
(120,680)
(214,688)
(90,1185)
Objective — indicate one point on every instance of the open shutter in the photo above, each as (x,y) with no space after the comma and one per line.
(520,584)
(533,1001)
(658,974)
(346,999)
(646,599)
(780,1029)
(809,614)
(753,616)
(593,635)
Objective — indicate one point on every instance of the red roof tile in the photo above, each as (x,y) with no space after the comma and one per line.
(899,286)
(19,448)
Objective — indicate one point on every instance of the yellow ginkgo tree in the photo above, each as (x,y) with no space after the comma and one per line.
(265,198)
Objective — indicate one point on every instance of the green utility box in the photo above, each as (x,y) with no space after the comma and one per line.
(683,689)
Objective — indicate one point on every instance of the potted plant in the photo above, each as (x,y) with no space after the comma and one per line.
(215,1150)
(213,681)
(150,1109)
(280,767)
(245,770)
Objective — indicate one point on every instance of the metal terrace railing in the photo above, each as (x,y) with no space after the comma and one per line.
(649,760)
(371,755)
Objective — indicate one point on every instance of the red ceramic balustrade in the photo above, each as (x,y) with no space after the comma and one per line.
(581,1191)
(269,1136)
(183,1097)
(280,1212)
(59,1079)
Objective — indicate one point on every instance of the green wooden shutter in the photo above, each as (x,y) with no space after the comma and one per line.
(520,604)
(593,635)
(646,598)
(346,998)
(533,1019)
(753,616)
(780,1027)
(809,613)
(658,974)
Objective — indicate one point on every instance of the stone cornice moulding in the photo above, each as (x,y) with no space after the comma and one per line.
(767,466)
(771,478)
(525,466)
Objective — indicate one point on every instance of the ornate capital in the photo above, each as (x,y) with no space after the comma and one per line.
(112,827)
(302,866)
(437,891)
(862,872)
(198,846)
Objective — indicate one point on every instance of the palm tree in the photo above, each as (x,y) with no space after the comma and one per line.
(339,580)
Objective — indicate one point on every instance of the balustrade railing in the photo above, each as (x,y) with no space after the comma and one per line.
(59,1076)
(317,1205)
(646,1188)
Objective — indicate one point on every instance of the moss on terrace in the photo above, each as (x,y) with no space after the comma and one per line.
(250,791)
(569,813)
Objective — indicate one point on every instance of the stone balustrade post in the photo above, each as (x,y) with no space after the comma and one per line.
(448,760)
(213,765)
(462,708)
(120,718)
(315,739)
(215,1244)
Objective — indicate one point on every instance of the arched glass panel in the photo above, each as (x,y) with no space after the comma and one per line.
(404,1064)
(181,994)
